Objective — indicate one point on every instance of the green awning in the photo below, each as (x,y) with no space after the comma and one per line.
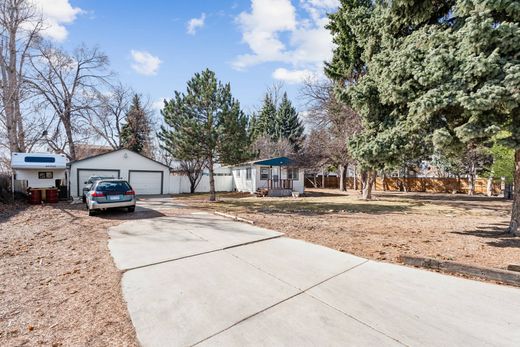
(280,161)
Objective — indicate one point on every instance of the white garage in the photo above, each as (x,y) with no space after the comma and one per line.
(146,182)
(145,175)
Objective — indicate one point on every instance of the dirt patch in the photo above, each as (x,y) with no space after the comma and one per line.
(59,284)
(440,226)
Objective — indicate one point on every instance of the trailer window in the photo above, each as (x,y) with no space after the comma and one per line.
(44,175)
(39,160)
(248,173)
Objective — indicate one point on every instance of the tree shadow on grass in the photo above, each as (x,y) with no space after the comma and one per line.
(327,193)
(495,231)
(465,202)
(307,208)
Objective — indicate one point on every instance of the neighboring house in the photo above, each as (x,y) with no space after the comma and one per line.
(86,151)
(145,175)
(276,177)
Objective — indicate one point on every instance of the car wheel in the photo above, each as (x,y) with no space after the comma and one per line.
(131,209)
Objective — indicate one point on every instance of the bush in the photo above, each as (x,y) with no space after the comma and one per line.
(5,188)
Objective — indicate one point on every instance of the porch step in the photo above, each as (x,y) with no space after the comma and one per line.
(261,192)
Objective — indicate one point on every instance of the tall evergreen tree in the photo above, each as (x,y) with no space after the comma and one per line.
(266,121)
(288,124)
(201,124)
(234,140)
(443,72)
(135,133)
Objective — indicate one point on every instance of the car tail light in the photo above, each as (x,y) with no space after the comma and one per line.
(130,192)
(97,194)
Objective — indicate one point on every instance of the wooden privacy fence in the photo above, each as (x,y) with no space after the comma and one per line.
(411,184)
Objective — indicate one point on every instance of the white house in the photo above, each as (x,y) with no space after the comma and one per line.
(145,175)
(273,177)
(38,171)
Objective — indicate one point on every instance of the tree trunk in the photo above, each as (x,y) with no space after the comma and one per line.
(471,184)
(383,178)
(489,188)
(355,178)
(405,180)
(471,179)
(193,184)
(10,83)
(363,176)
(322,178)
(70,139)
(342,177)
(212,195)
(515,213)
(368,183)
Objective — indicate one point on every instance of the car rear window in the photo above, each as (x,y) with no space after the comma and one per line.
(117,186)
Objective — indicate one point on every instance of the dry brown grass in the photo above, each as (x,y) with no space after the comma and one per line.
(59,284)
(441,226)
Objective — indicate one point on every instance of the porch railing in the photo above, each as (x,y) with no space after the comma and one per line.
(281,183)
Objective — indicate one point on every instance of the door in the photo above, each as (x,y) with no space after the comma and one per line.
(146,182)
(84,174)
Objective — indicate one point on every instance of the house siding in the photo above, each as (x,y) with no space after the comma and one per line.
(123,160)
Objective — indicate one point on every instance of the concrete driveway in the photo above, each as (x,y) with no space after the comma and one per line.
(200,279)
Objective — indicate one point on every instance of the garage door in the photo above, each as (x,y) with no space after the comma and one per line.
(146,182)
(83,176)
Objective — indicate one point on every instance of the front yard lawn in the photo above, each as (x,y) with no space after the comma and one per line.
(442,226)
(59,285)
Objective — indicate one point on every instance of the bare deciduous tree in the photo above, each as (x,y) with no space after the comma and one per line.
(20,24)
(69,83)
(267,147)
(108,116)
(339,121)
(193,169)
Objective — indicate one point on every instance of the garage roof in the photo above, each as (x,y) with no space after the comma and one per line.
(117,150)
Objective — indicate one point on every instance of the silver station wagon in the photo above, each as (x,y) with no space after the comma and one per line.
(110,193)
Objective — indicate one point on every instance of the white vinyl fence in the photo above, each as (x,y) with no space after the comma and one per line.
(181,184)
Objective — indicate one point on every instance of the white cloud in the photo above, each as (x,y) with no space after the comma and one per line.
(158,104)
(195,23)
(260,30)
(292,76)
(275,32)
(145,63)
(57,14)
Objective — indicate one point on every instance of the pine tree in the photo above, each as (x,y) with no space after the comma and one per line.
(288,125)
(135,133)
(205,123)
(266,122)
(234,140)
(442,72)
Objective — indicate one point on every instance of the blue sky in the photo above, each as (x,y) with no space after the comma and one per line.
(154,50)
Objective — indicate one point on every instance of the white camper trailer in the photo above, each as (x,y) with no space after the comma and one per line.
(38,171)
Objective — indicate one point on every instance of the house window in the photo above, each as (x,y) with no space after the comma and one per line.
(238,173)
(292,174)
(265,172)
(43,175)
(248,173)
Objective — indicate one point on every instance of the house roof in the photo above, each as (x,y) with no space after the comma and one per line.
(277,161)
(117,150)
